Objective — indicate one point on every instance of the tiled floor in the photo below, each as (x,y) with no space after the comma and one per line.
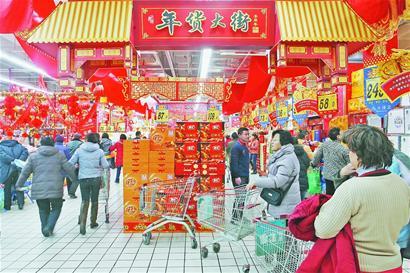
(107,248)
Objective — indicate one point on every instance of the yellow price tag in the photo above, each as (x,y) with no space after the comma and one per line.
(327,102)
(374,90)
(162,115)
(282,111)
(263,116)
(213,115)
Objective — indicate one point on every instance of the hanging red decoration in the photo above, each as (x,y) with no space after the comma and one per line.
(15,15)
(258,79)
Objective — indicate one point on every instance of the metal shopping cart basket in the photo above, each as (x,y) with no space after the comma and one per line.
(104,196)
(276,249)
(230,212)
(169,200)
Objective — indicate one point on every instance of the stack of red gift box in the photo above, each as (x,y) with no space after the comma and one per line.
(200,150)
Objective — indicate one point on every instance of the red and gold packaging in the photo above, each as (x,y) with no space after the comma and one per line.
(213,151)
(158,168)
(162,138)
(161,156)
(211,131)
(186,151)
(187,131)
(212,169)
(161,177)
(186,168)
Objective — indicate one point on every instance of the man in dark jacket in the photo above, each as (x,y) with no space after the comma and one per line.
(47,166)
(73,145)
(11,150)
(240,159)
(239,166)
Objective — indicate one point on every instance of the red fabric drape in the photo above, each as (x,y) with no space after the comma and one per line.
(15,15)
(235,101)
(258,79)
(113,88)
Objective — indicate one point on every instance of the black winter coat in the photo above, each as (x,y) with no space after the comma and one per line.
(304,163)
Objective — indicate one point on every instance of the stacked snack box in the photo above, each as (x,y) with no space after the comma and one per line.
(172,155)
(136,174)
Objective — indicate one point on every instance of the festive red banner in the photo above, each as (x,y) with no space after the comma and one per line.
(397,86)
(303,105)
(198,23)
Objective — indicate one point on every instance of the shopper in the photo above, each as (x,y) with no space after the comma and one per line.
(304,163)
(91,161)
(47,165)
(11,150)
(137,135)
(119,148)
(73,145)
(376,203)
(59,144)
(239,163)
(254,152)
(106,143)
(230,145)
(301,138)
(334,157)
(283,173)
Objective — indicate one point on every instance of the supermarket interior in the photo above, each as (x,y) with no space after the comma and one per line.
(191,136)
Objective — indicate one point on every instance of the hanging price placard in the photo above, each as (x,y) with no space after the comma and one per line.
(162,114)
(213,114)
(282,113)
(327,102)
(374,91)
(263,117)
(374,97)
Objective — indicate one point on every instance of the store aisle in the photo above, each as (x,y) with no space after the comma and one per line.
(105,249)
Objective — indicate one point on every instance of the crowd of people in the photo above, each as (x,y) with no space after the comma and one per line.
(78,163)
(366,180)
(367,185)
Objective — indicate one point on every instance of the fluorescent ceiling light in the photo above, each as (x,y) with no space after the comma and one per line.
(205,61)
(22,84)
(23,64)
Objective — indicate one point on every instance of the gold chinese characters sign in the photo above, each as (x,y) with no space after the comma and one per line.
(212,23)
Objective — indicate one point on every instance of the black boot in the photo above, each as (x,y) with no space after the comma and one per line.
(83,216)
(93,216)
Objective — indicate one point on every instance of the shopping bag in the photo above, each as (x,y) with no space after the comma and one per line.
(1,196)
(205,207)
(314,181)
(105,180)
(269,238)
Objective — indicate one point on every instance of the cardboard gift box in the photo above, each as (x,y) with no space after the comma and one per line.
(136,167)
(131,211)
(213,151)
(161,177)
(161,156)
(186,168)
(211,131)
(135,181)
(186,151)
(136,145)
(212,182)
(212,169)
(162,138)
(161,168)
(187,131)
(137,155)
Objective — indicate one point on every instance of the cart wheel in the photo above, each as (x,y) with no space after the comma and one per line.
(204,252)
(79,219)
(194,244)
(246,268)
(193,230)
(107,218)
(149,234)
(216,247)
(146,239)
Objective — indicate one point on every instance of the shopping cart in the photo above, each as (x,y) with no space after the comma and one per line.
(230,212)
(170,200)
(276,249)
(104,196)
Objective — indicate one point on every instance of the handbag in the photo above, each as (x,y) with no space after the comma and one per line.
(274,196)
(314,184)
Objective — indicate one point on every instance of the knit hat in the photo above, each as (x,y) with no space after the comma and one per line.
(59,138)
(77,136)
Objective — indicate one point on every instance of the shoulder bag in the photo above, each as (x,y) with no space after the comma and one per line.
(274,196)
